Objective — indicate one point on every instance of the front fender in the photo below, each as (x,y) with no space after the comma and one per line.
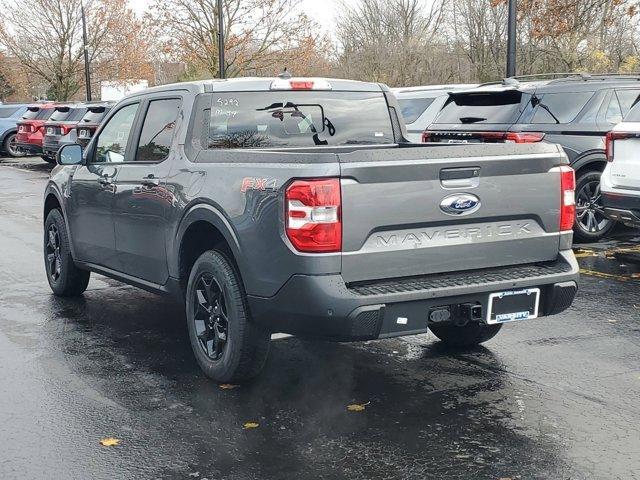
(53,189)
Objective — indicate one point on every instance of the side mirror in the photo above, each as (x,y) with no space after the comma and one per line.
(69,155)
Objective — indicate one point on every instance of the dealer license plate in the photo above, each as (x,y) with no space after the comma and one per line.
(513,305)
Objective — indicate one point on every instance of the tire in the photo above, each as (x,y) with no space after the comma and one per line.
(591,223)
(473,333)
(226,344)
(48,159)
(65,279)
(10,147)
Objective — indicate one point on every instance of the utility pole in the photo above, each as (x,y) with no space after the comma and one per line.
(87,75)
(222,73)
(511,38)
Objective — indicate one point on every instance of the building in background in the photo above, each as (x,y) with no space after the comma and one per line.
(115,90)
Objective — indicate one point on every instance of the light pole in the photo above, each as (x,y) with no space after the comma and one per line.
(511,39)
(222,73)
(87,75)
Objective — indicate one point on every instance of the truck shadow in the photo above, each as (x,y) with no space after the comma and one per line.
(426,410)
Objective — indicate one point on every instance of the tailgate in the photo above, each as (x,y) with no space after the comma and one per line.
(625,168)
(431,209)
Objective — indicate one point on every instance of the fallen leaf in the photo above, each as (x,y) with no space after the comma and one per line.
(228,386)
(357,407)
(250,425)
(109,442)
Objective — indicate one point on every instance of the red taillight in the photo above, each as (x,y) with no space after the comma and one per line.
(65,129)
(301,85)
(313,217)
(524,137)
(567,197)
(510,137)
(613,136)
(491,137)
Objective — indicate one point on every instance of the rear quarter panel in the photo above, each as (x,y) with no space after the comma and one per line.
(245,190)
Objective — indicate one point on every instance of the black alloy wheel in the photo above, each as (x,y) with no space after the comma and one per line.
(210,317)
(54,258)
(591,222)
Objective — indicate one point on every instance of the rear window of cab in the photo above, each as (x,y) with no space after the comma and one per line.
(272,119)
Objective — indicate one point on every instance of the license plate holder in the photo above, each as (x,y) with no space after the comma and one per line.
(513,305)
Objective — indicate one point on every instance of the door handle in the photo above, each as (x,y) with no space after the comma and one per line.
(150,181)
(105,181)
(460,177)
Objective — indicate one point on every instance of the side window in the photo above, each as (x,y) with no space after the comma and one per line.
(614,112)
(112,142)
(627,98)
(157,130)
(560,107)
(6,112)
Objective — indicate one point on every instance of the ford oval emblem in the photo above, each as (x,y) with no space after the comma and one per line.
(460,204)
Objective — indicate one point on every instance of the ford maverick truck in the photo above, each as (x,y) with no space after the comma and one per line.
(296,205)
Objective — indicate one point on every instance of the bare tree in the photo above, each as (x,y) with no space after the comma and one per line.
(392,41)
(260,35)
(46,38)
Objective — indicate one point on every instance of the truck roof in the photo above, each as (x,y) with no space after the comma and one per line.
(252,84)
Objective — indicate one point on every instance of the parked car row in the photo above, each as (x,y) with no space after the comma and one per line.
(42,128)
(574,111)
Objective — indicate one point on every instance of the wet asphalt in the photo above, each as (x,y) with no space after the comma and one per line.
(553,398)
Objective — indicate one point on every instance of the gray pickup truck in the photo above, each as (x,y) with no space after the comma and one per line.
(297,206)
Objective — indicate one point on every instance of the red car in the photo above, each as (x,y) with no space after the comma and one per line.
(31,128)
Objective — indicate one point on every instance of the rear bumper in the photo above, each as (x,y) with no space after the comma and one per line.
(51,148)
(29,148)
(622,208)
(324,307)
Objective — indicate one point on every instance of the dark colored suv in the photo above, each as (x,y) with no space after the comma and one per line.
(60,129)
(90,122)
(574,111)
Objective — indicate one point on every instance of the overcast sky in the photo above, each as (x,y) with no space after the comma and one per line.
(322,11)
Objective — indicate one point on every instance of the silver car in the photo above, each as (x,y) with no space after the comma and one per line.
(620,182)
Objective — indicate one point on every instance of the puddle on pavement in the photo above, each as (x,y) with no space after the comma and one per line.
(612,260)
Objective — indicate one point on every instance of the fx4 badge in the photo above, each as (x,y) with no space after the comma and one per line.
(460,204)
(254,183)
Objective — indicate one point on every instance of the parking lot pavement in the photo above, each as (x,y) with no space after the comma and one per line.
(554,398)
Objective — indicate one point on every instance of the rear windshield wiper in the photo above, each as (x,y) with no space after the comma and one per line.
(535,101)
(472,119)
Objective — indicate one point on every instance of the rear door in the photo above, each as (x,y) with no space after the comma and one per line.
(424,210)
(142,198)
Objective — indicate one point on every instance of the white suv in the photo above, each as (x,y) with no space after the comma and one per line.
(620,182)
